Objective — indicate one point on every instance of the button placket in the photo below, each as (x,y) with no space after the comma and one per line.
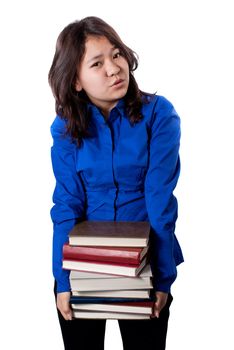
(113,125)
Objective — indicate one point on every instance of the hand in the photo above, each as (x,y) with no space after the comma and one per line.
(64,306)
(161,300)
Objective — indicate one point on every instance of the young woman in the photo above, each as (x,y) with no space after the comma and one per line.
(115,157)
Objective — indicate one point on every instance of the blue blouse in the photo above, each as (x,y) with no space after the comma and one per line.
(123,172)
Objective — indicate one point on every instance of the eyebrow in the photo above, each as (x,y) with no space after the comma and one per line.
(100,55)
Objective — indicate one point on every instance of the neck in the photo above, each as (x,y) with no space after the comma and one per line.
(105,110)
(105,113)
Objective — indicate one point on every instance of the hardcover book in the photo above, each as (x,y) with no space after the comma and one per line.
(145,272)
(104,267)
(110,233)
(101,300)
(137,294)
(126,255)
(111,284)
(109,315)
(133,307)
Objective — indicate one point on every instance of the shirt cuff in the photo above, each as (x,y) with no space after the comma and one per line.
(163,285)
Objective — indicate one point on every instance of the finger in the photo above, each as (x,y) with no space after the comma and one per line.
(156,310)
(160,302)
(156,313)
(69,314)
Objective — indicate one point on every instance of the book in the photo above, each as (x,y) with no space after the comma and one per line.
(145,272)
(137,294)
(109,315)
(127,255)
(100,300)
(104,267)
(110,233)
(113,284)
(133,307)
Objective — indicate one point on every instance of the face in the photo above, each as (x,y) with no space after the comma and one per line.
(103,73)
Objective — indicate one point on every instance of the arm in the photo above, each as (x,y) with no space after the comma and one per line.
(68,198)
(161,180)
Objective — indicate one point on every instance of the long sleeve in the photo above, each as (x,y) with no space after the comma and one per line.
(68,197)
(161,180)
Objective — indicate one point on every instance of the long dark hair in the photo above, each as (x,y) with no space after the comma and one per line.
(70,48)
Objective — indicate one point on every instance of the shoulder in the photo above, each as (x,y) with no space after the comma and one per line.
(157,105)
(59,134)
(160,115)
(58,127)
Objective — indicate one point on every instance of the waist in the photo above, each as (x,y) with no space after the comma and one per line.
(116,205)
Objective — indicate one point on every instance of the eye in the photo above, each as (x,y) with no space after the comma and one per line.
(96,64)
(117,54)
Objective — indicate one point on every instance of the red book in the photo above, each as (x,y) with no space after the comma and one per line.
(105,267)
(125,255)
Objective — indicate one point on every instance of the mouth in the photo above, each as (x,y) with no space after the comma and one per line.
(117,82)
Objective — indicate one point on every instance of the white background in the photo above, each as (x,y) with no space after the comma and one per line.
(186,54)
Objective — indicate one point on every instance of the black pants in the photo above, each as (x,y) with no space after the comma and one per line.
(89,334)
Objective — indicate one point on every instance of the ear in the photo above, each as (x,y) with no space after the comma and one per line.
(78,86)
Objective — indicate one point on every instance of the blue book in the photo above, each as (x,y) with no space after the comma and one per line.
(96,300)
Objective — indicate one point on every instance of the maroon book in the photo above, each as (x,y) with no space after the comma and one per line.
(124,255)
(110,233)
(108,267)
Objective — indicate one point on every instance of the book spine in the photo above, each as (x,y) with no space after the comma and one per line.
(101,263)
(93,254)
(96,300)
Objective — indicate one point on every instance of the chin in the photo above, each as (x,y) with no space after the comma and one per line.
(121,94)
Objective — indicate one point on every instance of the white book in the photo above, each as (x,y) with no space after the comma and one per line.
(121,270)
(114,308)
(111,284)
(112,293)
(109,315)
(145,272)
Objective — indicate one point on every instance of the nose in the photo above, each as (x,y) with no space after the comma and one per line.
(112,69)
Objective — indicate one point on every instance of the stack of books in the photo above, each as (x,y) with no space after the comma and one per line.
(110,274)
